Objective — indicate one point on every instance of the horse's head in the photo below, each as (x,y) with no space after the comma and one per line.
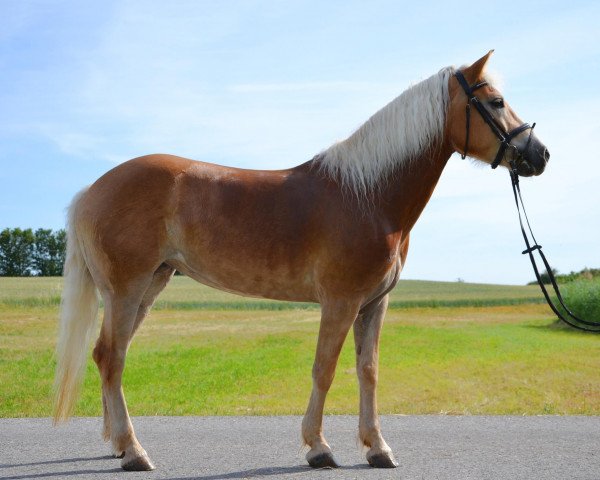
(481,124)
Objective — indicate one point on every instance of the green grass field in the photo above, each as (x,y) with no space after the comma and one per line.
(451,348)
(182,294)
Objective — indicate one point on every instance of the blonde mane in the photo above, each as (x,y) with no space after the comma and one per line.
(392,137)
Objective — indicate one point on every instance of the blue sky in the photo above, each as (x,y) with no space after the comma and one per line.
(87,85)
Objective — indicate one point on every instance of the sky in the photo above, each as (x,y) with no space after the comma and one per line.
(87,85)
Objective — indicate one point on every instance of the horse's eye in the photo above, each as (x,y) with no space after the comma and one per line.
(497,103)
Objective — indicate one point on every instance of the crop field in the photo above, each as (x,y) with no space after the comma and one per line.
(451,348)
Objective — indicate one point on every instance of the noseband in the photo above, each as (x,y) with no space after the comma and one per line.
(504,136)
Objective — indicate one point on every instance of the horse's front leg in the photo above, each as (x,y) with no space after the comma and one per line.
(336,319)
(366,338)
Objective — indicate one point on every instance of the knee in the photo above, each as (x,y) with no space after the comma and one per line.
(368,373)
(322,377)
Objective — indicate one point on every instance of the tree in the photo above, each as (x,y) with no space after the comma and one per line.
(16,247)
(545,276)
(48,255)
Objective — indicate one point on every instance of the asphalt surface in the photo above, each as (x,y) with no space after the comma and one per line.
(220,448)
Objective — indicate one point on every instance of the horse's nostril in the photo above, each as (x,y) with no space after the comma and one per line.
(546,154)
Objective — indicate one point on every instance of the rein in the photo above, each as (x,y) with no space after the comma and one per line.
(532,246)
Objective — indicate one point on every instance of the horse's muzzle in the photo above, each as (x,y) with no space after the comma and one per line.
(533,160)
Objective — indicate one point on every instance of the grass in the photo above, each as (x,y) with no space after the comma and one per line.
(184,294)
(443,358)
(582,297)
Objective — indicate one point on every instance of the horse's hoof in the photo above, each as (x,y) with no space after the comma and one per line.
(323,460)
(382,460)
(138,464)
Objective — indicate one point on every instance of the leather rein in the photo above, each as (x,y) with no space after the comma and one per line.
(561,310)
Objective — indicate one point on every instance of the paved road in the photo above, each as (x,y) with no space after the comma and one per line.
(222,448)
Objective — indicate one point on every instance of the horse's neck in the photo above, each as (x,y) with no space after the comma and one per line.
(410,187)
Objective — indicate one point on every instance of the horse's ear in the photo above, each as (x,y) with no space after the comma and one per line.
(475,71)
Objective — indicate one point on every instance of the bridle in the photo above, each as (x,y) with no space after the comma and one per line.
(497,129)
(558,306)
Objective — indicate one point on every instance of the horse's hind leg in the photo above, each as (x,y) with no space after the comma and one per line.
(336,319)
(109,354)
(159,280)
(123,315)
(367,328)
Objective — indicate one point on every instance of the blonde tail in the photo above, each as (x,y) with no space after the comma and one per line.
(78,312)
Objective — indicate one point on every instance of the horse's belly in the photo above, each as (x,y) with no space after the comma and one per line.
(247,278)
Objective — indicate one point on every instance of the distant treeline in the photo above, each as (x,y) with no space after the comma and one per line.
(24,253)
(585,274)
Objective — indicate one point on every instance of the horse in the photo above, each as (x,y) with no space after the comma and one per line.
(334,230)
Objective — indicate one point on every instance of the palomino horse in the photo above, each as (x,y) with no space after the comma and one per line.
(334,230)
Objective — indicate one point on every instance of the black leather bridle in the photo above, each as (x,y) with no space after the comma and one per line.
(497,129)
(558,306)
